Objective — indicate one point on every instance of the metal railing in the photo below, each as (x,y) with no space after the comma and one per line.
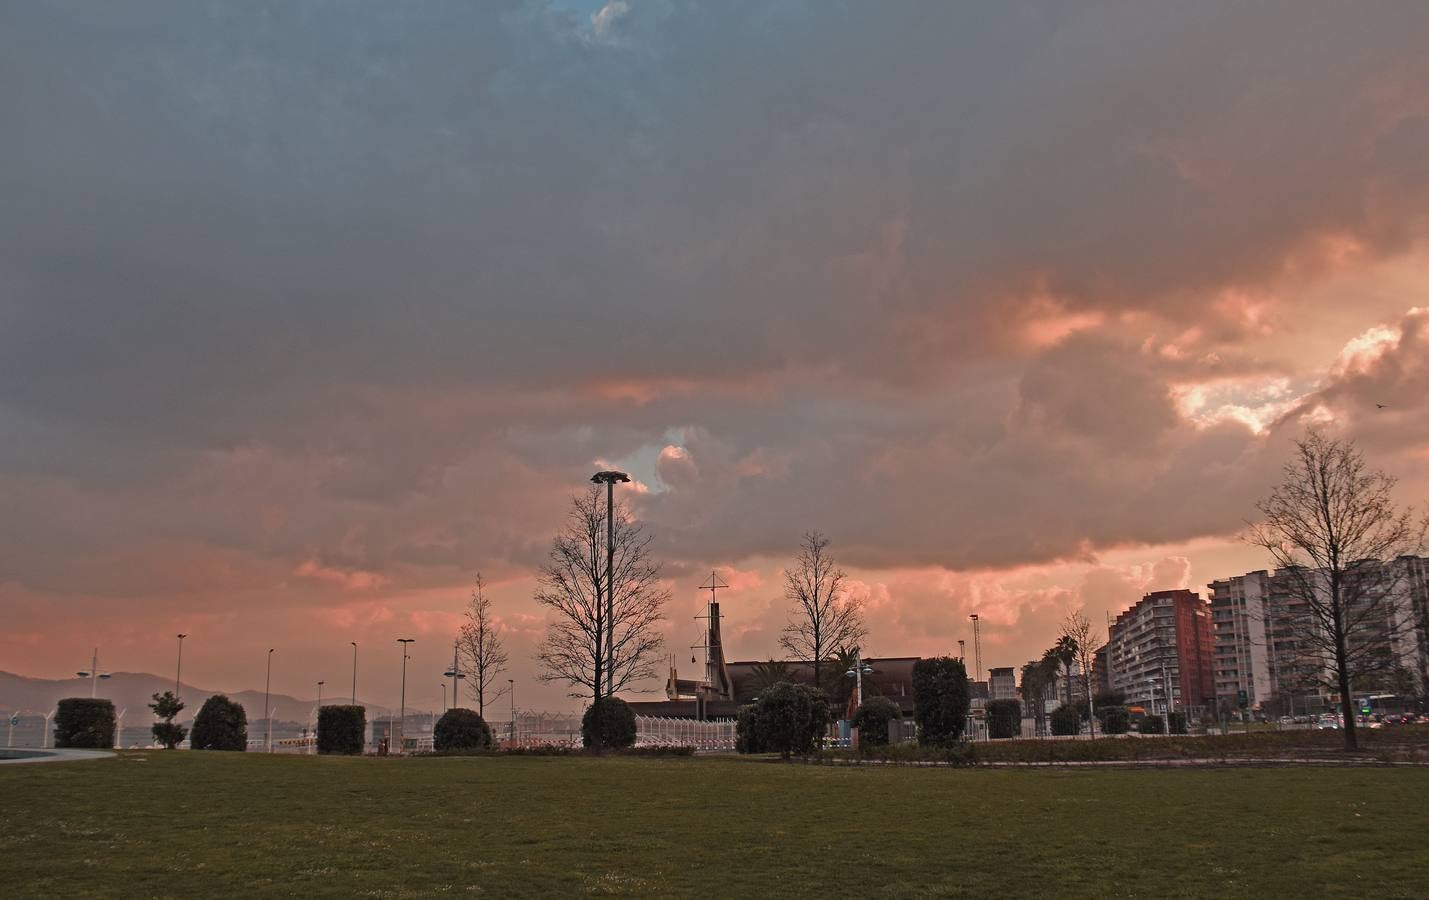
(652,731)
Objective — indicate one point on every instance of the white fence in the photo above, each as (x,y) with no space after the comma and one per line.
(657,732)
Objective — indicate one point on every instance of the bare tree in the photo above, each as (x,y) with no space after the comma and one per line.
(572,585)
(824,616)
(481,649)
(1333,530)
(1077,637)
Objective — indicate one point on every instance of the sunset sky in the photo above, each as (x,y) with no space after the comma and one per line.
(311,311)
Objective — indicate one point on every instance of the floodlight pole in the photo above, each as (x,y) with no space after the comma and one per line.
(609,478)
(267,719)
(179,670)
(402,717)
(977,647)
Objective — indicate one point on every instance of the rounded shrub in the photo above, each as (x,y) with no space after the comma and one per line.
(1114,719)
(608,724)
(1066,721)
(791,718)
(1004,718)
(749,731)
(461,729)
(1153,725)
(342,729)
(871,719)
(85,722)
(221,724)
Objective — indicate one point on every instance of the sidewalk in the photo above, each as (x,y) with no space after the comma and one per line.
(11,756)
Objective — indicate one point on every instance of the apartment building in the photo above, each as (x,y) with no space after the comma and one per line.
(1262,656)
(1161,649)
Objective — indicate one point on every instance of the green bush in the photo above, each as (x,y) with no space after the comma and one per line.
(608,724)
(166,706)
(1153,725)
(749,731)
(940,699)
(1066,720)
(221,724)
(1004,718)
(1114,719)
(84,722)
(342,729)
(787,719)
(461,729)
(871,720)
(1177,723)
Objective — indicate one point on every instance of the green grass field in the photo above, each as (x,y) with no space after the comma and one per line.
(186,824)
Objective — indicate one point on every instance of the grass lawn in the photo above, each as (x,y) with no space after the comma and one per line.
(189,824)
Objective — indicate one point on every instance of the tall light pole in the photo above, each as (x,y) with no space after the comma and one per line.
(267,720)
(977,647)
(354,672)
(511,684)
(962,649)
(609,478)
(402,718)
(320,696)
(179,670)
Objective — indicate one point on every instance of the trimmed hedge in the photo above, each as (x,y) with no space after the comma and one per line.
(1177,723)
(221,724)
(85,723)
(608,724)
(1153,725)
(871,719)
(1004,718)
(1066,720)
(1114,719)
(940,699)
(461,729)
(342,729)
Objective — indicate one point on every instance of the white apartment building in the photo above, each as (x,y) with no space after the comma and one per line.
(1260,655)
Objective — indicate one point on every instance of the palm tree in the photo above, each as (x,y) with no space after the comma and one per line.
(767,674)
(1063,654)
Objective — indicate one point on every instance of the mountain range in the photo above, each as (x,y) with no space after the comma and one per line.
(135,690)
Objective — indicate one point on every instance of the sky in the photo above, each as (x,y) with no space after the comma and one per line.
(310,311)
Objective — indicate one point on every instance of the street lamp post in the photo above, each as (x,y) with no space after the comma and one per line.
(962,650)
(119,729)
(94,675)
(511,685)
(402,717)
(455,674)
(354,672)
(609,478)
(267,719)
(179,669)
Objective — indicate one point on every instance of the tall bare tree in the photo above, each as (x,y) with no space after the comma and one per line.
(1081,639)
(572,585)
(1333,530)
(824,617)
(481,648)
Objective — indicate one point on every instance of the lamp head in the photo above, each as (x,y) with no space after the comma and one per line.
(609,477)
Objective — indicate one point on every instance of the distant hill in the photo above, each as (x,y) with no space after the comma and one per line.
(135,690)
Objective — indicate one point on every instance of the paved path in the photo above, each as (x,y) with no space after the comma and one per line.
(16,757)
